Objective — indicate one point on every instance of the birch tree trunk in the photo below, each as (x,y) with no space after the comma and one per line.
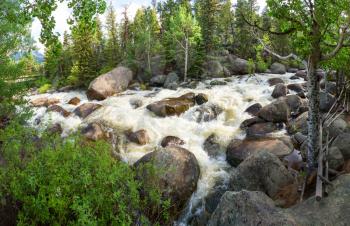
(186,59)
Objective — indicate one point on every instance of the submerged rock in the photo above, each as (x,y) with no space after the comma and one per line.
(201,98)
(212,146)
(171,141)
(108,84)
(74,101)
(177,173)
(208,112)
(172,106)
(238,150)
(86,109)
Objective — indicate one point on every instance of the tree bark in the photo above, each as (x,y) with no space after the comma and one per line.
(314,102)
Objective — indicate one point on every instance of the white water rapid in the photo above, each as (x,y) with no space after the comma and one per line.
(117,113)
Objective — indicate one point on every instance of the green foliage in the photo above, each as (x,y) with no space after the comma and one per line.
(251,66)
(44,88)
(112,46)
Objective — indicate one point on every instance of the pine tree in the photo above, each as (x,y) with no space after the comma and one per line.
(99,47)
(67,60)
(226,23)
(125,35)
(207,12)
(112,45)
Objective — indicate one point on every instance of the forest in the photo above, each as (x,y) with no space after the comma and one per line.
(202,112)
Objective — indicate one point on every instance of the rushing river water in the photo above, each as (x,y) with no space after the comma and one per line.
(118,114)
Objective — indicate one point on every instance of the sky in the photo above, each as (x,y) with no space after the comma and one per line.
(62,13)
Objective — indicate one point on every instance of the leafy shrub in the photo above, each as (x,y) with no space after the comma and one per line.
(44,88)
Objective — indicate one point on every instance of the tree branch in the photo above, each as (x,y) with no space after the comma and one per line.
(340,44)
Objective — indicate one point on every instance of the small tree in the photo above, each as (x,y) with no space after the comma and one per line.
(186,32)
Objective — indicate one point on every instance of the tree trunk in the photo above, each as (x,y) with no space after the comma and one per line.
(314,102)
(186,59)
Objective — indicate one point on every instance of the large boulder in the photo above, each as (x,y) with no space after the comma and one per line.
(296,87)
(261,171)
(248,208)
(343,143)
(249,122)
(335,158)
(177,173)
(277,111)
(172,106)
(158,80)
(171,81)
(253,109)
(275,81)
(214,69)
(238,66)
(238,150)
(261,129)
(299,124)
(326,101)
(278,68)
(108,84)
(301,74)
(86,109)
(279,91)
(59,109)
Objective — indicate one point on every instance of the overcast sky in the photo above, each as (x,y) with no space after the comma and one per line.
(63,12)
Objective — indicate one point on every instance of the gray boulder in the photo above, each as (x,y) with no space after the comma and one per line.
(108,84)
(279,91)
(238,66)
(248,208)
(278,68)
(299,124)
(171,141)
(261,129)
(253,109)
(296,87)
(343,143)
(277,111)
(212,146)
(239,150)
(177,173)
(171,81)
(158,80)
(275,81)
(335,158)
(326,101)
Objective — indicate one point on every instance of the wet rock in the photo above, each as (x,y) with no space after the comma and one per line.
(208,112)
(59,109)
(298,139)
(277,111)
(295,104)
(279,91)
(261,171)
(139,137)
(136,103)
(248,208)
(74,101)
(301,95)
(337,127)
(299,124)
(277,68)
(172,81)
(238,150)
(108,84)
(343,143)
(171,141)
(93,132)
(172,106)
(296,87)
(326,101)
(66,89)
(218,83)
(55,129)
(44,102)
(249,122)
(158,80)
(261,129)
(275,81)
(293,70)
(177,173)
(201,98)
(294,160)
(86,109)
(211,146)
(254,109)
(294,77)
(335,158)
(301,74)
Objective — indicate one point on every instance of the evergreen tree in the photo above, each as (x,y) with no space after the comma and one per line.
(226,24)
(207,12)
(67,60)
(112,45)
(125,35)
(99,47)
(52,66)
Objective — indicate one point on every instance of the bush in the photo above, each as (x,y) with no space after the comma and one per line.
(44,88)
(50,181)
